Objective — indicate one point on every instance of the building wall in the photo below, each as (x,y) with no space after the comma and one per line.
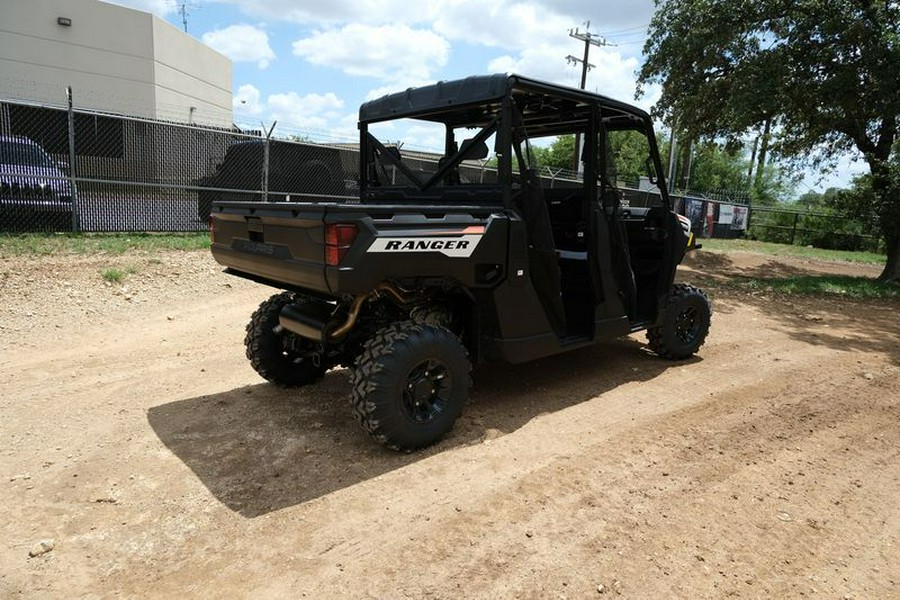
(116,59)
(190,74)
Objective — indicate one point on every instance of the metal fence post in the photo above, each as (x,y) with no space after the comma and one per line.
(265,173)
(71,114)
(794,228)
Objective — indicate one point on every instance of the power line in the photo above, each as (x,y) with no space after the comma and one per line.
(626,30)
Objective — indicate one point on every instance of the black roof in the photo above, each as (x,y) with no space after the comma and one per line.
(475,90)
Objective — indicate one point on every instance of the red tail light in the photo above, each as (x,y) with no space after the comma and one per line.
(338,239)
(212,229)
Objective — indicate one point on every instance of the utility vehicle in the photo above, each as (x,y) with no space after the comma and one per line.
(477,254)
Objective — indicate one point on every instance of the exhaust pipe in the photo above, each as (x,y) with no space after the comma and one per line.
(314,321)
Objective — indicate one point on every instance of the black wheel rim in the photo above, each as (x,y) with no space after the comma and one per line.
(427,391)
(687,325)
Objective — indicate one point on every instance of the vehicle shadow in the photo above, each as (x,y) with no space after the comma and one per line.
(261,448)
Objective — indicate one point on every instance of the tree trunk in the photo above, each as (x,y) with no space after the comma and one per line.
(752,161)
(763,152)
(886,187)
(686,152)
(891,271)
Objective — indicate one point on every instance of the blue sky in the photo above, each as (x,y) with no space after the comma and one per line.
(309,64)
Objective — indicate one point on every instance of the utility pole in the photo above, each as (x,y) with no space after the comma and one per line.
(589,40)
(672,168)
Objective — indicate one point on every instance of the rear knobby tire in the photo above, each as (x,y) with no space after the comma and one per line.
(268,352)
(685,325)
(410,384)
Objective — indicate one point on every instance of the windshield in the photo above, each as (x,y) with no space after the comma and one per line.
(444,153)
(18,153)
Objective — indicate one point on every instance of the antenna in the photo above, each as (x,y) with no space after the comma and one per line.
(183,11)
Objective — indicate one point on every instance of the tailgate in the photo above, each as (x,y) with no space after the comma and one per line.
(284,245)
(281,243)
(466,244)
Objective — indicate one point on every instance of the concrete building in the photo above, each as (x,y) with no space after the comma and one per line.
(116,59)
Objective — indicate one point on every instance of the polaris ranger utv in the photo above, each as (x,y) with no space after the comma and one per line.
(456,259)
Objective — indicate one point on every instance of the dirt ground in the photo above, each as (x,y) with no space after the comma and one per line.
(138,444)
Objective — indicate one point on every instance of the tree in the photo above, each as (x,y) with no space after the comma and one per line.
(822,77)
(559,154)
(717,168)
(860,202)
(629,151)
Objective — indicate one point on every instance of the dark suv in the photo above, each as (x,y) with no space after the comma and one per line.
(34,190)
(297,171)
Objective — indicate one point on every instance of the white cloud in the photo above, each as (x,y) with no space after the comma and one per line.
(246,101)
(311,111)
(612,75)
(389,53)
(157,7)
(510,24)
(501,23)
(373,12)
(242,43)
(608,16)
(471,19)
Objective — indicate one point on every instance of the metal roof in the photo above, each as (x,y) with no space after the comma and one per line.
(475,90)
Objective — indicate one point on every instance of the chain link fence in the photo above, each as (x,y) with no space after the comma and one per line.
(71,170)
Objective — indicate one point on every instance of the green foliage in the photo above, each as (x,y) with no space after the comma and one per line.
(113,275)
(823,73)
(863,203)
(814,220)
(558,155)
(714,167)
(116,275)
(722,167)
(817,68)
(761,247)
(826,229)
(629,151)
(771,187)
(112,243)
(826,285)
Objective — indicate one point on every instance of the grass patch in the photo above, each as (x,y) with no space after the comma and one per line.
(116,275)
(824,285)
(42,244)
(113,275)
(740,245)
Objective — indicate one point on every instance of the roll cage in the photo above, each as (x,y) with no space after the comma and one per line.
(508,109)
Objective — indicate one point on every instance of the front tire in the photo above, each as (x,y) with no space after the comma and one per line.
(268,349)
(685,325)
(410,384)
